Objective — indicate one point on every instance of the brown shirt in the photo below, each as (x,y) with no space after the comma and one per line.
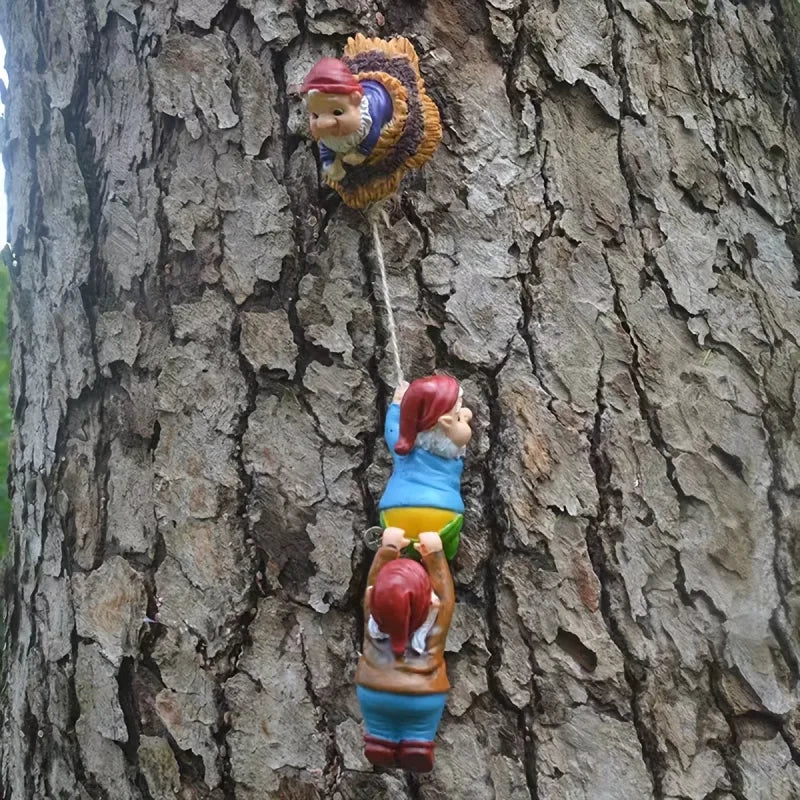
(412,673)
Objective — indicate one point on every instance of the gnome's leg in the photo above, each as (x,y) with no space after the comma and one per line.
(416,756)
(420,718)
(380,752)
(419,726)
(381,739)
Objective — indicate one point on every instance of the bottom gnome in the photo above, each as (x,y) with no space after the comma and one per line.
(401,677)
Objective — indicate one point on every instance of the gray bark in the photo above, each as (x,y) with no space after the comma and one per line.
(605,251)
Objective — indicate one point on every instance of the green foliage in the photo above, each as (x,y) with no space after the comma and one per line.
(5,410)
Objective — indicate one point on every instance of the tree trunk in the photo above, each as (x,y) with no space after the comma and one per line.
(605,251)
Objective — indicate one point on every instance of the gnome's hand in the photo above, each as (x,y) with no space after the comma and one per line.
(400,391)
(395,537)
(429,542)
(354,157)
(335,171)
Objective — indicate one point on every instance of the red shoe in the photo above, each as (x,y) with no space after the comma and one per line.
(415,756)
(380,752)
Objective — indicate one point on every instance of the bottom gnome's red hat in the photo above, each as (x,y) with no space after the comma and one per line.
(425,400)
(332,76)
(401,598)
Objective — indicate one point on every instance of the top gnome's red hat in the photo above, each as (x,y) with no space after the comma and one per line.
(331,76)
(425,400)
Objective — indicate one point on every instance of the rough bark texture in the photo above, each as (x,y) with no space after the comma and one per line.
(605,250)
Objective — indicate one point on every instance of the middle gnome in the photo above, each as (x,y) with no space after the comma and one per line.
(427,431)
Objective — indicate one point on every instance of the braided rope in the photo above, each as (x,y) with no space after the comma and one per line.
(376,213)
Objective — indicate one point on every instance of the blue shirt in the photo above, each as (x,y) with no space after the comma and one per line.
(420,479)
(381,111)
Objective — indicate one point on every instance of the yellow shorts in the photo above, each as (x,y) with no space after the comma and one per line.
(415,521)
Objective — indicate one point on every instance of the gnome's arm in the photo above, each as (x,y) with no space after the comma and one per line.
(442,582)
(382,558)
(391,430)
(326,155)
(380,109)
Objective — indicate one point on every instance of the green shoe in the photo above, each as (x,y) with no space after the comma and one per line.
(451,537)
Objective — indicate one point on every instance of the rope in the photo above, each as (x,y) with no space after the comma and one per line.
(374,214)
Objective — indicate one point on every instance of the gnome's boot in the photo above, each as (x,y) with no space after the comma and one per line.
(380,752)
(415,756)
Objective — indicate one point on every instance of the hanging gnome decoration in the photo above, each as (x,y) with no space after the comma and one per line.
(371,117)
(402,677)
(427,432)
(373,121)
(347,115)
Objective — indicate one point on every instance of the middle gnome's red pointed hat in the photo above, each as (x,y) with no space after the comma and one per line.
(425,400)
(331,75)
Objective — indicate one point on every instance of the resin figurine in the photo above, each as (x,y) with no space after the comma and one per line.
(401,677)
(427,431)
(371,117)
(346,115)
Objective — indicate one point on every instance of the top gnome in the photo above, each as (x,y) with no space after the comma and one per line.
(346,115)
(427,431)
(372,118)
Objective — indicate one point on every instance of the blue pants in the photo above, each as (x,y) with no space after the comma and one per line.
(398,717)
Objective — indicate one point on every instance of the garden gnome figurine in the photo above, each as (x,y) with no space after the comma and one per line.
(345,115)
(401,676)
(371,116)
(427,431)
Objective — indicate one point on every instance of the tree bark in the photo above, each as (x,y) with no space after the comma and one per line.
(605,251)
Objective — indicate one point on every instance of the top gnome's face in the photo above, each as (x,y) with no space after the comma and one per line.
(334,115)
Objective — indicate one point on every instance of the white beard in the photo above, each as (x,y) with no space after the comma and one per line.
(348,143)
(437,442)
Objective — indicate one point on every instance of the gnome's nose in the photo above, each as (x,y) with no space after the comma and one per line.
(326,123)
(466,415)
